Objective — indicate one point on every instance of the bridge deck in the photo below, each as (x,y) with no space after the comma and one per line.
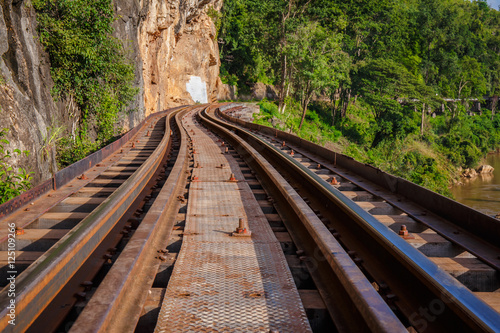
(222,282)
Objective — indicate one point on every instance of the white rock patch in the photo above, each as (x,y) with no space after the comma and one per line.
(197,89)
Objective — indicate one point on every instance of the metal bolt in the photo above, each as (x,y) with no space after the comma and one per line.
(242,229)
(334,181)
(87,285)
(81,295)
(232,178)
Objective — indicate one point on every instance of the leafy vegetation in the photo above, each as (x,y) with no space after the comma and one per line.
(366,76)
(12,183)
(89,69)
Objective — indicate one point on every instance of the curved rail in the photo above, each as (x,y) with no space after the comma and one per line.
(478,233)
(116,305)
(363,308)
(41,282)
(466,307)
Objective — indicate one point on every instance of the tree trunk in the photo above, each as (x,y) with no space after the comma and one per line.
(333,99)
(304,111)
(305,102)
(494,103)
(423,119)
(281,97)
(345,103)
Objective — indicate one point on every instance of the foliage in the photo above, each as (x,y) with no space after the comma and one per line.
(69,150)
(12,183)
(87,63)
(364,75)
(216,17)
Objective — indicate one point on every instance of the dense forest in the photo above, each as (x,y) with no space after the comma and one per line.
(398,84)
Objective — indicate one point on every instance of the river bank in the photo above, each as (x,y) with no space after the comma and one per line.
(482,192)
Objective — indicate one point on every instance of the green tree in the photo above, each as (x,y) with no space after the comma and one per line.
(314,52)
(384,85)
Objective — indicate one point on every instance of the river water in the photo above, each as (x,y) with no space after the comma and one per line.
(483,192)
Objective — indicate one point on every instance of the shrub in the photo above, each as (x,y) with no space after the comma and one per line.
(12,184)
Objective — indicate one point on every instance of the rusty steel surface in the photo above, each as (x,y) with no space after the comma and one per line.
(464,303)
(483,226)
(221,282)
(352,301)
(487,251)
(16,203)
(116,305)
(41,281)
(63,176)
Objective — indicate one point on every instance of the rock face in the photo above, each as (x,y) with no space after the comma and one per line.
(484,169)
(179,51)
(172,44)
(469,173)
(226,92)
(26,106)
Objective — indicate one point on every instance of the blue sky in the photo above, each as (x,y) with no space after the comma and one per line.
(494,3)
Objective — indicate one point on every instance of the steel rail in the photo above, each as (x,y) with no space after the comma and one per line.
(478,233)
(117,303)
(467,307)
(41,282)
(363,309)
(63,176)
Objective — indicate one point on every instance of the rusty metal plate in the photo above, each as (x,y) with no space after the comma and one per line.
(231,287)
(223,283)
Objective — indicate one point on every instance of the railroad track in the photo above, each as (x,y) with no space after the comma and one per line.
(369,229)
(64,238)
(349,268)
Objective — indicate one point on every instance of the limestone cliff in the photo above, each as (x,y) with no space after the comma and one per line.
(26,106)
(179,51)
(171,42)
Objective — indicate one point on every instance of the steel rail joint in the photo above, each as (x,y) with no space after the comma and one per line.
(40,282)
(443,283)
(376,313)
